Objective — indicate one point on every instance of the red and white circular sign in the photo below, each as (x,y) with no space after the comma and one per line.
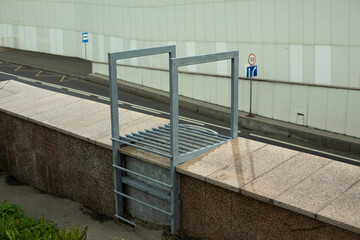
(252,59)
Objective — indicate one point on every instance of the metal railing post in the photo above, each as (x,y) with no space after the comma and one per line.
(234,95)
(115,132)
(174,146)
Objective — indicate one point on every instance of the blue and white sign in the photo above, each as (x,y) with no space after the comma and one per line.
(85,38)
(251,71)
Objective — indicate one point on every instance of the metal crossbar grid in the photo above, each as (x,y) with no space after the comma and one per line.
(157,140)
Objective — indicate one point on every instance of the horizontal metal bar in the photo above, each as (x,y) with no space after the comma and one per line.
(153,140)
(197,136)
(144,203)
(204,131)
(125,220)
(151,133)
(166,134)
(187,156)
(143,148)
(143,176)
(212,57)
(205,135)
(196,142)
(128,137)
(145,187)
(184,144)
(142,52)
(192,136)
(142,139)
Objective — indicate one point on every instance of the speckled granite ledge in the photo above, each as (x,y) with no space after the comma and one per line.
(313,186)
(317,187)
(84,119)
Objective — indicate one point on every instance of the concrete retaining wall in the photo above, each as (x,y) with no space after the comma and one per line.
(212,212)
(69,167)
(57,163)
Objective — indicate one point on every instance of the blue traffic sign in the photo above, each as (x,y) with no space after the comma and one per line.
(251,71)
(85,38)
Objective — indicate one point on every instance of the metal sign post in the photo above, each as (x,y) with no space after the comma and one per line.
(250,73)
(85,39)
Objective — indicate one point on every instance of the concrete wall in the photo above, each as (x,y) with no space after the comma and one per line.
(302,41)
(66,166)
(212,212)
(57,163)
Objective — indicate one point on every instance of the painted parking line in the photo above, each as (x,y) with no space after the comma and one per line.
(21,69)
(67,79)
(17,68)
(39,74)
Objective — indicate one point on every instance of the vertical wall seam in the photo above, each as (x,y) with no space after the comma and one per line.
(346,111)
(349,59)
(327,108)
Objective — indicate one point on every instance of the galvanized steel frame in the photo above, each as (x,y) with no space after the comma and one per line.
(116,140)
(181,146)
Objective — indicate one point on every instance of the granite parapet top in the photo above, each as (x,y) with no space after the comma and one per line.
(310,185)
(81,118)
(314,186)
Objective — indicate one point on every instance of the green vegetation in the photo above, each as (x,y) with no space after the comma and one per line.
(15,225)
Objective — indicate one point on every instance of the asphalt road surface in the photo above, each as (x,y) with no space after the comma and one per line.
(88,90)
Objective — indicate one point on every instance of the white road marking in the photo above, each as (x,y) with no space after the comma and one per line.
(49,84)
(146,109)
(102,97)
(79,92)
(190,120)
(306,148)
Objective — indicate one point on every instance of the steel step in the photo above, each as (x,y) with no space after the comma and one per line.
(146,188)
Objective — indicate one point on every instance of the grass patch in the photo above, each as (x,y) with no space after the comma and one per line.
(15,225)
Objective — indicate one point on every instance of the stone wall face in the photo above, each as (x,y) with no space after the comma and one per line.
(212,212)
(57,163)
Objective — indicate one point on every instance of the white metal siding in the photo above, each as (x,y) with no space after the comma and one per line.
(309,41)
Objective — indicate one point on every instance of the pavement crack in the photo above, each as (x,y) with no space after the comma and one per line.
(307,229)
(94,215)
(5,84)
